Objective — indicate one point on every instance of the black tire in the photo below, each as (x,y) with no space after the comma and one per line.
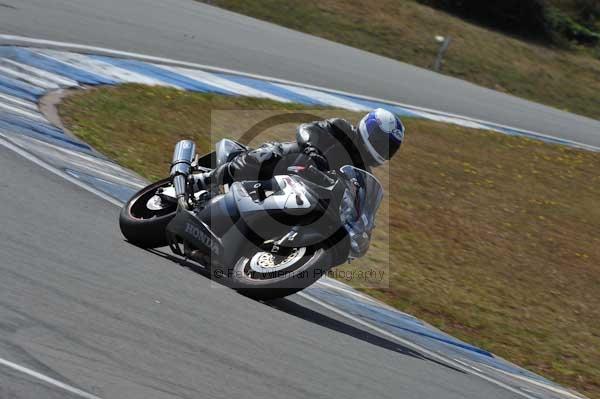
(142,226)
(312,266)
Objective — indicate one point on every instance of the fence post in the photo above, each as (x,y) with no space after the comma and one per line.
(445,43)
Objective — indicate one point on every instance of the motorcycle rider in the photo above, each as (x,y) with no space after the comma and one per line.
(328,144)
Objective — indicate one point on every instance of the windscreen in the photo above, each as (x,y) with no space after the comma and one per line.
(362,198)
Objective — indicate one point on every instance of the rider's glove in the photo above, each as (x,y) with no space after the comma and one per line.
(317,158)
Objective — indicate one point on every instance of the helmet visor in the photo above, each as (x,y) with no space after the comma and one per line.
(384,146)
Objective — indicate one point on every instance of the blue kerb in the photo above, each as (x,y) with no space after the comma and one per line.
(400,111)
(28,127)
(20,89)
(49,64)
(270,88)
(391,320)
(164,75)
(122,193)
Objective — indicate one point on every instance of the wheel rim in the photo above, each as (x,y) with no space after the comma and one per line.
(148,205)
(265,263)
(155,203)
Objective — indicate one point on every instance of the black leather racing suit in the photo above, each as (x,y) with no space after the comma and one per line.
(328,144)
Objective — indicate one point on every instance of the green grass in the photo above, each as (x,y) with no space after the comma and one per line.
(404,30)
(494,239)
(582,11)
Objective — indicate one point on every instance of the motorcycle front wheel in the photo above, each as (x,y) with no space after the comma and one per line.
(263,275)
(144,217)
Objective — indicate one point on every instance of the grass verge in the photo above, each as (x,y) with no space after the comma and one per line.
(495,239)
(404,30)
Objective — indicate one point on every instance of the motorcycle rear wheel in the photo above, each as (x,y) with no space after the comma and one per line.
(143,226)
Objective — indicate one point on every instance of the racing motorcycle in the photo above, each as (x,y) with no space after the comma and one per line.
(264,238)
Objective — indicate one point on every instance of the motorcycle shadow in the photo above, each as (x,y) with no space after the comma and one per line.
(193,266)
(293,308)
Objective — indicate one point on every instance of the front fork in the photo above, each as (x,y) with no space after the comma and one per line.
(181,167)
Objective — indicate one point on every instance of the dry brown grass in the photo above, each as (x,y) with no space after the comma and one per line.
(494,239)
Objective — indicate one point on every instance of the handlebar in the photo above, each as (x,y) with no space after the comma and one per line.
(318,176)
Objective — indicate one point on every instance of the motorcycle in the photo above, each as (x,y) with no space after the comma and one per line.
(265,238)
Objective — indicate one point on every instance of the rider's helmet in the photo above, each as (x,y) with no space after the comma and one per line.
(381,133)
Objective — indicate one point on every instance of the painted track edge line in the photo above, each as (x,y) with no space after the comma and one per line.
(413,346)
(534,382)
(7,143)
(20,40)
(48,380)
(418,348)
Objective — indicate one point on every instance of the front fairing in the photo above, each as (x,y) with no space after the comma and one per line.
(362,197)
(226,150)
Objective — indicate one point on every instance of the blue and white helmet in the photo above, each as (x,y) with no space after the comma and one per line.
(382,133)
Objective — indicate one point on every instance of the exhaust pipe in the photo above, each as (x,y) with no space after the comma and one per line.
(181,166)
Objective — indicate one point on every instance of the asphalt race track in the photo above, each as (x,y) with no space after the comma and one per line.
(80,305)
(190,31)
(84,314)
